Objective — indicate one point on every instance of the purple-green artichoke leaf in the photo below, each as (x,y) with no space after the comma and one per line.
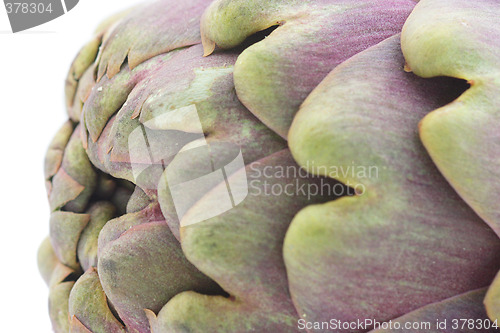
(59,289)
(241,249)
(460,39)
(88,303)
(170,24)
(143,269)
(99,214)
(275,75)
(407,239)
(462,313)
(65,231)
(75,181)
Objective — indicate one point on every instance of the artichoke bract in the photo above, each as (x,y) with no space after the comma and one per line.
(279,166)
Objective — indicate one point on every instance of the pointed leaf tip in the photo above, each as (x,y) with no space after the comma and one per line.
(208,47)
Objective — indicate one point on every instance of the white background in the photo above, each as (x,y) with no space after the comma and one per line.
(33,66)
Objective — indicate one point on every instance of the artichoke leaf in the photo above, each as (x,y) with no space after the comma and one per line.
(462,137)
(275,75)
(88,305)
(241,249)
(460,39)
(99,214)
(166,104)
(65,231)
(492,300)
(81,66)
(170,25)
(59,290)
(55,152)
(47,260)
(407,240)
(143,269)
(76,180)
(76,326)
(468,306)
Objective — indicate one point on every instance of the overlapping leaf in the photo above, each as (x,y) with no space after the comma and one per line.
(462,313)
(241,249)
(407,240)
(460,39)
(155,114)
(274,76)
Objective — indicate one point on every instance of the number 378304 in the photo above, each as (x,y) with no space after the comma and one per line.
(27,8)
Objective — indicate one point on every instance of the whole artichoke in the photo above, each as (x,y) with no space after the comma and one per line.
(265,173)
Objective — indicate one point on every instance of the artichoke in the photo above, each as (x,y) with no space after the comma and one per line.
(320,166)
